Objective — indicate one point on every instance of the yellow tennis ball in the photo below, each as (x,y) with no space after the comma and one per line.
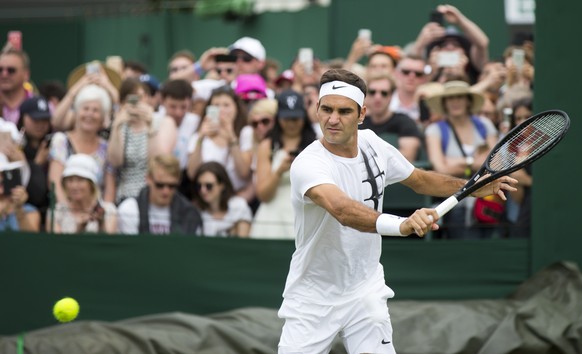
(66,309)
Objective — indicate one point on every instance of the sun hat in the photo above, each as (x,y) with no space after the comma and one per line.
(454,88)
(81,165)
(77,73)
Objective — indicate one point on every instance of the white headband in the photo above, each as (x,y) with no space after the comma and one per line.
(343,89)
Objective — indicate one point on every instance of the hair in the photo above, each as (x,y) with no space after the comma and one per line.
(135,66)
(377,76)
(52,89)
(264,106)
(130,86)
(526,102)
(19,53)
(241,117)
(269,63)
(184,53)
(177,89)
(218,170)
(410,57)
(166,162)
(93,93)
(347,77)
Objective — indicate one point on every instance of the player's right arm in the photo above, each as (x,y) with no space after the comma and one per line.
(344,209)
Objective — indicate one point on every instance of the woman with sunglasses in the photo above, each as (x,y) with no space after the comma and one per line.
(223,140)
(224,214)
(290,135)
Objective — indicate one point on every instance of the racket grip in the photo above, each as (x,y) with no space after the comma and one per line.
(447,205)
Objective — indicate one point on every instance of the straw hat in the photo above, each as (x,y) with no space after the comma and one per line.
(454,88)
(80,71)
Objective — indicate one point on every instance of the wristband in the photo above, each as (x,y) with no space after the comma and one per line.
(389,225)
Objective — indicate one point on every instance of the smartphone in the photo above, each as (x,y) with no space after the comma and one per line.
(448,59)
(518,57)
(15,39)
(132,99)
(213,114)
(305,56)
(437,16)
(92,67)
(11,179)
(48,139)
(365,33)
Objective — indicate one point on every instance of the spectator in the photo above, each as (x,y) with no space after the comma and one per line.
(53,92)
(63,117)
(226,68)
(250,54)
(154,98)
(290,135)
(92,104)
(411,72)
(284,81)
(160,208)
(82,210)
(35,118)
(471,45)
(261,120)
(381,120)
(15,213)
(223,141)
(137,134)
(520,68)
(382,59)
(270,73)
(14,75)
(176,102)
(133,69)
(224,213)
(459,157)
(250,88)
(181,66)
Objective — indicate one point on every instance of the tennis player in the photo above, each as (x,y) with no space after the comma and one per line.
(336,282)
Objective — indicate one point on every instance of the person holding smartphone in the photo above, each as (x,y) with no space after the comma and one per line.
(136,135)
(35,123)
(15,213)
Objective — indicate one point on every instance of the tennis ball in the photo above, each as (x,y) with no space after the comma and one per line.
(66,309)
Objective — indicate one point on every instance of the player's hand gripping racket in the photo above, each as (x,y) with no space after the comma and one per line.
(523,145)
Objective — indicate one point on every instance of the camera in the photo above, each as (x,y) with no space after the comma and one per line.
(437,16)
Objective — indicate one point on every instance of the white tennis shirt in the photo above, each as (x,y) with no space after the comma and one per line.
(332,263)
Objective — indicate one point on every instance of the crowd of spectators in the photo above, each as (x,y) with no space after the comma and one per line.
(206,151)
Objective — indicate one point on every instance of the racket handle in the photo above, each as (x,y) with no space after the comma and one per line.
(447,205)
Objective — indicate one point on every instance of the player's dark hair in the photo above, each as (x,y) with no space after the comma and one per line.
(347,77)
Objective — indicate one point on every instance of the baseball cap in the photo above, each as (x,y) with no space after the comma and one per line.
(81,165)
(36,107)
(251,46)
(286,75)
(151,82)
(290,104)
(251,87)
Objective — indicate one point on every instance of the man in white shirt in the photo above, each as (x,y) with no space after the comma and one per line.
(336,282)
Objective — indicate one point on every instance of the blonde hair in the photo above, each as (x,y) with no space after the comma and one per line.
(264,106)
(168,163)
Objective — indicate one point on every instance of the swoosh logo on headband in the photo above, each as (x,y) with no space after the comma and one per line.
(334,87)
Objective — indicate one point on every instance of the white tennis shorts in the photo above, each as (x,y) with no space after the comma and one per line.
(363,324)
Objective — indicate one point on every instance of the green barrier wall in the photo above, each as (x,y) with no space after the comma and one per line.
(117,277)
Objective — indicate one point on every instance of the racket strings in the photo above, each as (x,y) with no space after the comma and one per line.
(529,141)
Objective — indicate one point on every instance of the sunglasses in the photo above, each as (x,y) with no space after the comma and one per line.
(245,57)
(407,72)
(207,186)
(264,121)
(8,69)
(226,70)
(384,93)
(161,185)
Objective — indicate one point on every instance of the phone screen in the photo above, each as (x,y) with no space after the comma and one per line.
(306,58)
(213,113)
(436,16)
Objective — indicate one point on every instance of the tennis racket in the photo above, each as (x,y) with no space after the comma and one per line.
(523,145)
